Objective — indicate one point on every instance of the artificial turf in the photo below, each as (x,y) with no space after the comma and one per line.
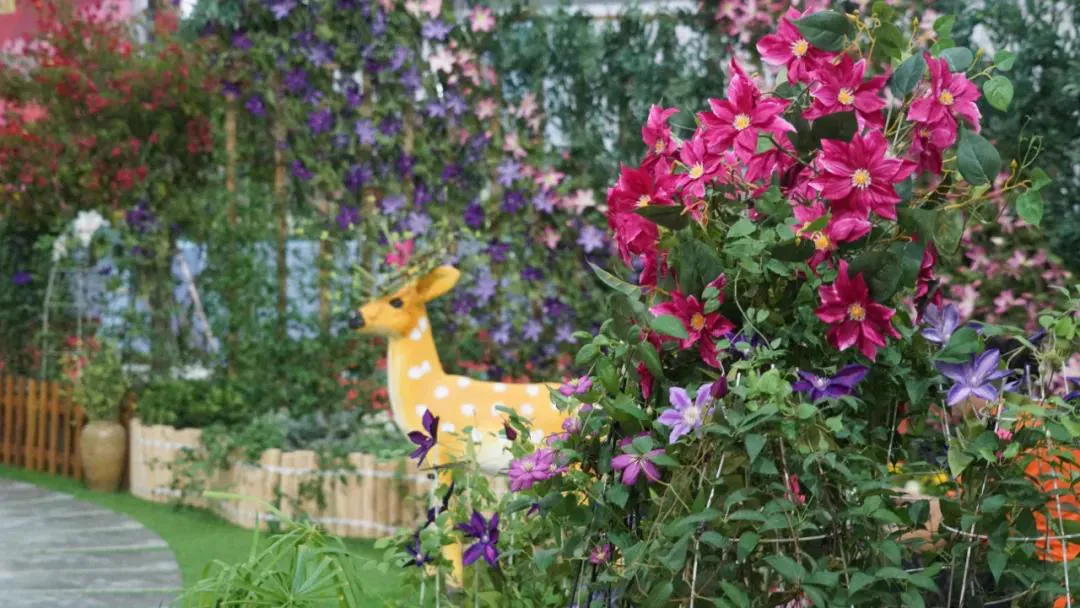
(196,537)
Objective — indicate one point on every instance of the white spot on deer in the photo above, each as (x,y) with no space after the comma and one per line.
(419,371)
(468,409)
(526,410)
(499,387)
(421,409)
(463,382)
(441,392)
(532,390)
(416,334)
(422,324)
(448,428)
(477,436)
(536,436)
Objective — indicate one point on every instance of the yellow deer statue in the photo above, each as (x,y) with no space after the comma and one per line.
(417,383)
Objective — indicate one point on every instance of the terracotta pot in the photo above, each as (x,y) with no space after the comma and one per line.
(102,448)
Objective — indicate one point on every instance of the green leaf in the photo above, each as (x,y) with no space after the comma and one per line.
(714,539)
(958,460)
(586,355)
(826,30)
(943,25)
(959,58)
(1004,60)
(859,581)
(949,231)
(676,557)
(1039,179)
(890,41)
(793,252)
(841,125)
(791,570)
(543,558)
(669,325)
(647,354)
(735,594)
(741,228)
(659,594)
(747,543)
(918,221)
(665,461)
(908,75)
(911,598)
(754,444)
(977,159)
(668,216)
(625,404)
(615,282)
(1029,206)
(642,444)
(999,92)
(617,494)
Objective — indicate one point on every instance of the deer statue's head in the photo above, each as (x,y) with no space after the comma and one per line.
(396,314)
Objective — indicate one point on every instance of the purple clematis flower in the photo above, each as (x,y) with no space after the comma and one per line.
(501,334)
(513,201)
(398,58)
(544,201)
(576,386)
(474,215)
(393,204)
(365,132)
(530,469)
(456,103)
(632,465)
(411,79)
(320,121)
(822,387)
(241,42)
(423,442)
(532,273)
(486,533)
(1075,381)
(356,177)
(347,217)
(565,333)
(509,170)
(22,278)
(591,238)
(940,323)
(531,330)
(600,554)
(685,416)
(282,8)
(974,377)
(296,81)
(418,222)
(436,29)
(300,171)
(416,551)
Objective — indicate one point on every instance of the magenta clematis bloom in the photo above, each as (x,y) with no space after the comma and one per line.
(600,554)
(636,188)
(486,533)
(541,465)
(928,142)
(737,121)
(576,386)
(685,416)
(788,48)
(702,329)
(858,177)
(840,87)
(702,167)
(822,387)
(632,465)
(854,317)
(949,95)
(974,377)
(424,442)
(940,323)
(657,134)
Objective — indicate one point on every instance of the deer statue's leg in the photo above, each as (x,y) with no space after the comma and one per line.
(453,552)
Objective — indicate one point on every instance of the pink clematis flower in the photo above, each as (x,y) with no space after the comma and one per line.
(485,108)
(855,318)
(788,48)
(513,146)
(657,133)
(738,120)
(636,188)
(702,167)
(928,142)
(857,176)
(702,329)
(824,245)
(482,19)
(949,95)
(549,179)
(840,87)
(401,254)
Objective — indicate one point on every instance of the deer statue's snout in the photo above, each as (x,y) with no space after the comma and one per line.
(356,320)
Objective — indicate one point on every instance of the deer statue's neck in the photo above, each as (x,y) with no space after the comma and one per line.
(412,364)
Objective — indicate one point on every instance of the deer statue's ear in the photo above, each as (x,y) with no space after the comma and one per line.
(437,282)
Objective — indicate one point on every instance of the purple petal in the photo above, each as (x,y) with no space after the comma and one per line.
(952,371)
(622,461)
(473,553)
(985,391)
(951,319)
(987,363)
(669,417)
(678,431)
(958,393)
(704,395)
(429,420)
(679,398)
(630,474)
(850,375)
(651,472)
(491,555)
(418,438)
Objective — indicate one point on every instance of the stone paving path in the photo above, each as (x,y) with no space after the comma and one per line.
(58,552)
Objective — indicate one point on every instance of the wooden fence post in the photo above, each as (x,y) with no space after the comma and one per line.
(7,456)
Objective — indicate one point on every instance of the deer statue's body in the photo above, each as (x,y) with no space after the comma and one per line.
(467,408)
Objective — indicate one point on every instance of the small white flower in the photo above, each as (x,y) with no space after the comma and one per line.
(87,223)
(194,372)
(59,250)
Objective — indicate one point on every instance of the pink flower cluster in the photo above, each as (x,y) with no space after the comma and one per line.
(541,465)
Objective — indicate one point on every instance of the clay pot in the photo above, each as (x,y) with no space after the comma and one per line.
(102,447)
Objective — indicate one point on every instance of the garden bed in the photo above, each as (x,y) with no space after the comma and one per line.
(370,498)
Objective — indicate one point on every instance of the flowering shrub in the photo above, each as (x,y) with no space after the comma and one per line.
(763,423)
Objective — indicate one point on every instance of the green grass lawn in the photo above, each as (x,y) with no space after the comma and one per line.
(196,537)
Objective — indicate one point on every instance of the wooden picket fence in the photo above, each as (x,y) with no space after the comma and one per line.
(370,498)
(39,427)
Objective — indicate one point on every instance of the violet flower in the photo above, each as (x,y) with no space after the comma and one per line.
(418,222)
(600,554)
(393,204)
(22,278)
(531,330)
(411,79)
(241,42)
(485,287)
(1069,396)
(255,106)
(591,238)
(356,176)
(282,8)
(424,442)
(474,215)
(320,121)
(416,551)
(508,172)
(365,132)
(685,416)
(974,377)
(347,217)
(486,533)
(576,386)
(300,171)
(296,81)
(436,29)
(940,323)
(822,387)
(632,465)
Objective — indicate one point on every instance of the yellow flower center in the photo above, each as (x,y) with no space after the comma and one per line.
(643,201)
(660,145)
(697,171)
(845,97)
(946,98)
(821,241)
(856,312)
(697,321)
(741,122)
(924,133)
(860,179)
(800,47)
(527,466)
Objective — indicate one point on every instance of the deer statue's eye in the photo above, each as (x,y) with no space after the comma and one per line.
(396,303)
